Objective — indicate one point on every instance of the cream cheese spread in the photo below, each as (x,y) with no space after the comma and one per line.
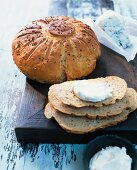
(111,158)
(92,91)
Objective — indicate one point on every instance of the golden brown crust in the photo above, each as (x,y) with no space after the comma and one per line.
(56,49)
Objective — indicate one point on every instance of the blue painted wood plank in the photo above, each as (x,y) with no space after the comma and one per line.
(13,15)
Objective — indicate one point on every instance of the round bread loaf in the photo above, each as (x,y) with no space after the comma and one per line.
(56,49)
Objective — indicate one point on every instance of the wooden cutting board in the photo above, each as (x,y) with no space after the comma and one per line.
(32,126)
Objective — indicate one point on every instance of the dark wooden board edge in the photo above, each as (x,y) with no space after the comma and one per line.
(33,131)
(41,136)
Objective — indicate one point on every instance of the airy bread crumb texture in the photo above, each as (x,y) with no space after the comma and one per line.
(64,92)
(81,125)
(95,112)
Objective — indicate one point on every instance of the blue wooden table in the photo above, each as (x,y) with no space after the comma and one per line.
(14,14)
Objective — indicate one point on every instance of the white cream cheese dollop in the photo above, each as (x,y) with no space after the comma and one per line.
(111,158)
(92,91)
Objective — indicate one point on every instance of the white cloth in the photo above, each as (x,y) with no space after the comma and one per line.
(130,26)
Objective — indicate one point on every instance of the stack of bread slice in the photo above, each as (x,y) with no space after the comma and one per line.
(79,116)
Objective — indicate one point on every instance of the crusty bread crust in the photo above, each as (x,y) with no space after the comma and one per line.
(95,112)
(64,92)
(56,49)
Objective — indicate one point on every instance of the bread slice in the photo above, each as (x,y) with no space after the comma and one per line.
(95,112)
(81,125)
(64,92)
